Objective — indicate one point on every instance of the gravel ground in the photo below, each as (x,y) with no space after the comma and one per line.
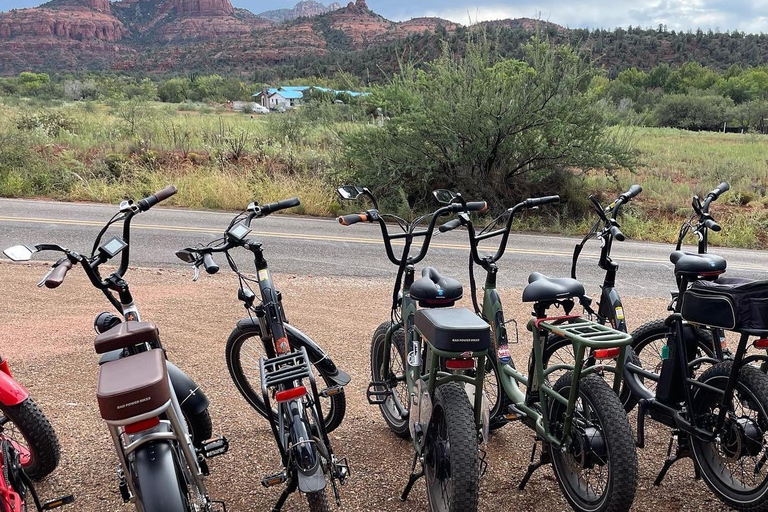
(47,337)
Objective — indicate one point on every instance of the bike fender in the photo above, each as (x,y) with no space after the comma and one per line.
(11,392)
(191,397)
(317,356)
(313,481)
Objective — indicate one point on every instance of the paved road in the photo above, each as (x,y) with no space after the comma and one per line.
(301,245)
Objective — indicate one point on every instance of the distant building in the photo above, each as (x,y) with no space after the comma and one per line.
(292,95)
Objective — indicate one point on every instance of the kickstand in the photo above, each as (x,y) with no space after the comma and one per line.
(682,451)
(292,486)
(413,478)
(533,466)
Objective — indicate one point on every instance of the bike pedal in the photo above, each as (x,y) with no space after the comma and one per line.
(273,480)
(513,413)
(218,506)
(378,396)
(123,486)
(331,391)
(59,502)
(341,469)
(215,447)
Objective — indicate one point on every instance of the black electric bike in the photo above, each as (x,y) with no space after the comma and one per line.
(272,361)
(157,416)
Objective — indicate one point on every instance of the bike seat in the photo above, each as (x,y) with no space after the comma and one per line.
(697,265)
(454,330)
(132,386)
(434,290)
(543,288)
(126,334)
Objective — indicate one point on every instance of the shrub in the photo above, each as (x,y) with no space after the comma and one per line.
(50,122)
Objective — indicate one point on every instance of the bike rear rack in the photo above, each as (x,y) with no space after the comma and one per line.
(585,332)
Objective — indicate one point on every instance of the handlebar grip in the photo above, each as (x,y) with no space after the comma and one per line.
(476,206)
(353,218)
(210,266)
(161,195)
(711,224)
(632,192)
(451,224)
(721,188)
(280,205)
(538,201)
(58,274)
(617,234)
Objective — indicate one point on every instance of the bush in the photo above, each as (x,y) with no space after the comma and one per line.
(694,112)
(50,122)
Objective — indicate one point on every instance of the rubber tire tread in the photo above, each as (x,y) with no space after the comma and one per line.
(318,501)
(757,382)
(462,434)
(617,432)
(40,437)
(398,339)
(200,426)
(339,401)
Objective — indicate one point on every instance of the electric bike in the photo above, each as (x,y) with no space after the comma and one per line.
(579,420)
(272,361)
(157,416)
(427,364)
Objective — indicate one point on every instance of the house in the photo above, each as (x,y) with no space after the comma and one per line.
(284,97)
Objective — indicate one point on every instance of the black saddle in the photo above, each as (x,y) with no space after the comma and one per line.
(454,330)
(697,265)
(434,290)
(543,288)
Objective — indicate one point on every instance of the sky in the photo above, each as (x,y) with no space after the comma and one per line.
(742,15)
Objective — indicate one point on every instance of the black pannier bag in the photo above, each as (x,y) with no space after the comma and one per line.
(733,305)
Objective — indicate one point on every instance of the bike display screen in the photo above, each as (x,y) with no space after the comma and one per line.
(239,231)
(113,246)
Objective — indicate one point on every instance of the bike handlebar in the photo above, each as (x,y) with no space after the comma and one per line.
(353,218)
(632,192)
(210,266)
(161,195)
(720,189)
(540,201)
(448,226)
(279,205)
(711,224)
(617,234)
(57,275)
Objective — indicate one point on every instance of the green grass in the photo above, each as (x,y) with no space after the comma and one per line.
(224,160)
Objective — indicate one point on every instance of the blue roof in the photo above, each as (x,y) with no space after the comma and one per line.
(294,92)
(295,88)
(290,95)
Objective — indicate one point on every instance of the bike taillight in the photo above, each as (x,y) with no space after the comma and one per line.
(607,353)
(290,394)
(140,426)
(460,364)
(763,343)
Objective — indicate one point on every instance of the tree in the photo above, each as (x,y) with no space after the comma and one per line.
(489,128)
(694,112)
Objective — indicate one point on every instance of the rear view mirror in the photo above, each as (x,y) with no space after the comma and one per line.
(349,192)
(186,256)
(19,253)
(444,196)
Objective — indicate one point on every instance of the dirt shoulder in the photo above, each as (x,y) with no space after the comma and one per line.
(47,337)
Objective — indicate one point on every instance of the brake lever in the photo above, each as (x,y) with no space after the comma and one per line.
(46,276)
(197,273)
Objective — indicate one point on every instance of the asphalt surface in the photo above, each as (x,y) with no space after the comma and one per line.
(322,247)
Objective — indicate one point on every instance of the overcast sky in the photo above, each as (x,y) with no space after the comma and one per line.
(743,15)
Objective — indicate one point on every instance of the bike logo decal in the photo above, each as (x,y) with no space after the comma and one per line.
(136,402)
(263,274)
(619,313)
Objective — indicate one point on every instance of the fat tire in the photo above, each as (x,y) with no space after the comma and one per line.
(620,442)
(755,382)
(200,427)
(459,419)
(38,434)
(336,404)
(398,425)
(318,501)
(159,479)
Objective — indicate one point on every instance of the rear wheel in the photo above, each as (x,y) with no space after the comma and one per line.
(597,470)
(160,482)
(244,350)
(452,465)
(734,465)
(394,377)
(32,435)
(498,402)
(318,501)
(200,427)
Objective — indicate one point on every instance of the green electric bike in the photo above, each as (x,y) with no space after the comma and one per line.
(579,420)
(427,365)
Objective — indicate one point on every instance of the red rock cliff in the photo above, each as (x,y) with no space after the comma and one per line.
(203,7)
(79,24)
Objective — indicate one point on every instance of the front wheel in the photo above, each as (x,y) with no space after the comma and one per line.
(32,435)
(318,501)
(452,464)
(734,464)
(597,468)
(393,378)
(243,352)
